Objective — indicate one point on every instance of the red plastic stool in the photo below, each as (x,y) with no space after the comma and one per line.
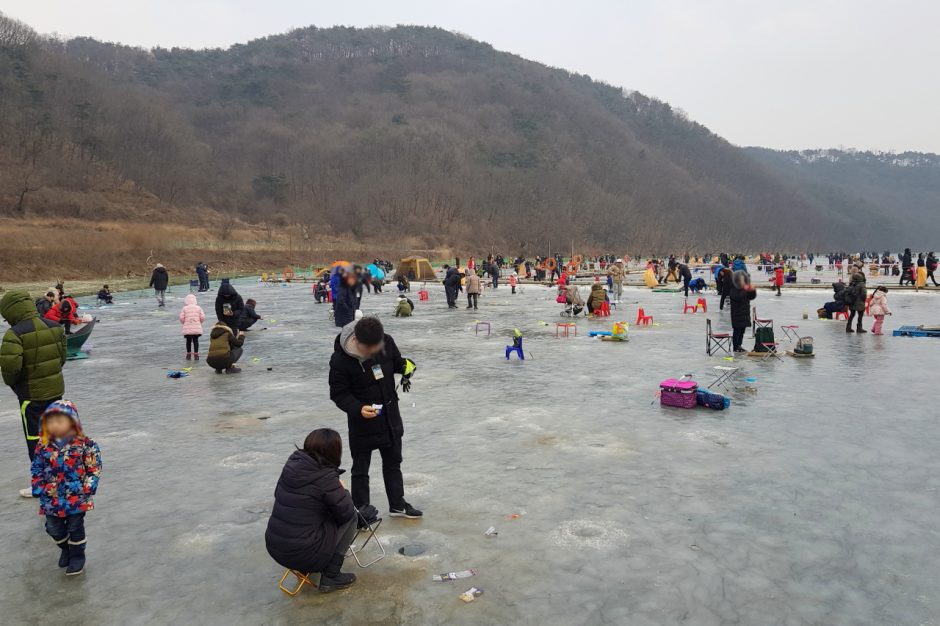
(423,295)
(603,310)
(844,314)
(643,318)
(702,304)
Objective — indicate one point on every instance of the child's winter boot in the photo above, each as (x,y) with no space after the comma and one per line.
(63,544)
(76,558)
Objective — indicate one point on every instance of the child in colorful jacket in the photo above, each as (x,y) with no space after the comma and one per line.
(66,469)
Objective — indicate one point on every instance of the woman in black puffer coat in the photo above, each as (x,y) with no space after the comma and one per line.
(741,293)
(313,521)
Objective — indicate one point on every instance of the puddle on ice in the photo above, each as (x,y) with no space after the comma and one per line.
(588,534)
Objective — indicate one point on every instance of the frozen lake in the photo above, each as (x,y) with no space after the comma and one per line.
(813,501)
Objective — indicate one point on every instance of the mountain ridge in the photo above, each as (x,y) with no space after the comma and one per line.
(403,130)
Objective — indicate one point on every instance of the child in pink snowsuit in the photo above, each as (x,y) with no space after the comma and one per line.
(191,317)
(879,308)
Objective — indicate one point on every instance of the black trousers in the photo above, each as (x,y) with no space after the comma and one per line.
(737,337)
(192,343)
(852,315)
(685,286)
(451,296)
(721,303)
(472,300)
(31,413)
(391,474)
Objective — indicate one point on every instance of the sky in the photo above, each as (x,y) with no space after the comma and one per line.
(788,74)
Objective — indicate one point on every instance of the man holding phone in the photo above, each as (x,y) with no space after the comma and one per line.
(362,384)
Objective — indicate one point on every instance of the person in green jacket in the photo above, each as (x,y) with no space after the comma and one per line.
(31,358)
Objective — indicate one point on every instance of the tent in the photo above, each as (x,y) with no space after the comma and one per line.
(416,268)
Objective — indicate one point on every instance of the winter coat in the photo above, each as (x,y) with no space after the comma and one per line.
(43,305)
(858,292)
(404,308)
(228,295)
(66,310)
(906,259)
(738,266)
(597,298)
(778,277)
(473,283)
(740,300)
(353,386)
(192,316)
(723,281)
(65,473)
(345,304)
(615,272)
(452,278)
(222,339)
(310,505)
(202,271)
(33,350)
(160,278)
(879,304)
(247,318)
(685,273)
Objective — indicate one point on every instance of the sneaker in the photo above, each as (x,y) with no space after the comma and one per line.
(849,330)
(407,511)
(861,331)
(26,493)
(740,350)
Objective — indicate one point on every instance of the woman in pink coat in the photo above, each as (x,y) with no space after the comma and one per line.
(191,317)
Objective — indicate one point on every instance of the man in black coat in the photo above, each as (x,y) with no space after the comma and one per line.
(159,281)
(362,384)
(229,305)
(451,285)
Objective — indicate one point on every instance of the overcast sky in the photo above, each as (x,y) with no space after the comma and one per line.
(777,73)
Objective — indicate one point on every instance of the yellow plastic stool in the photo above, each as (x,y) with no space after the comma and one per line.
(302,579)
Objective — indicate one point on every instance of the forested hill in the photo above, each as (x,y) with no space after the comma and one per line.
(897,188)
(405,130)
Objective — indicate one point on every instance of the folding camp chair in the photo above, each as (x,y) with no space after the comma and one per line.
(759,322)
(370,529)
(716,341)
(791,332)
(193,286)
(724,377)
(770,350)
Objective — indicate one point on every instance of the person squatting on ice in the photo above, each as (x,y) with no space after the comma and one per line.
(362,385)
(313,521)
(31,359)
(225,348)
(66,469)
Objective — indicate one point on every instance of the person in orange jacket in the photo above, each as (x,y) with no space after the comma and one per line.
(778,278)
(65,313)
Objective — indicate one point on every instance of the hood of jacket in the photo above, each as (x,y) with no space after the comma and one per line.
(227,292)
(302,469)
(346,343)
(64,407)
(740,279)
(16,306)
(738,266)
(858,277)
(190,300)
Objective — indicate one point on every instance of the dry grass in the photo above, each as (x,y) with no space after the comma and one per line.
(37,252)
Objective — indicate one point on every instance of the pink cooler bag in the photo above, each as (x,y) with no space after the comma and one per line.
(678,393)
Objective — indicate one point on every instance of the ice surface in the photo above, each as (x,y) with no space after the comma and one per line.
(813,501)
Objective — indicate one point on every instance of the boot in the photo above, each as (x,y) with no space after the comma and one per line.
(332,578)
(196,356)
(76,559)
(848,329)
(860,329)
(189,356)
(233,370)
(63,544)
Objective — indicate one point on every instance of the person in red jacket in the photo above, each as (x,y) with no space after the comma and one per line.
(65,313)
(778,278)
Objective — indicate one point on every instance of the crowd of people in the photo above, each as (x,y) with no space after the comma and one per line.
(315,517)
